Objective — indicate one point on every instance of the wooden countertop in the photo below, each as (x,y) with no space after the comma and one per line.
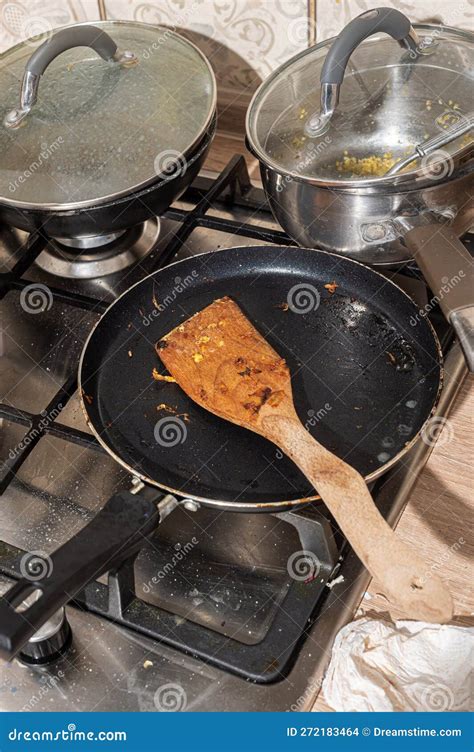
(438,518)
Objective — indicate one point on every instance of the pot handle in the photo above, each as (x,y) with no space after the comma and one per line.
(65,39)
(113,535)
(448,268)
(387,20)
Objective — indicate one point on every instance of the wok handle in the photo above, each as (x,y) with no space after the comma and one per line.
(65,39)
(448,268)
(387,20)
(113,535)
(400,572)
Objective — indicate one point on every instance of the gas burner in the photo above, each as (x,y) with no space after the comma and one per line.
(98,256)
(211,626)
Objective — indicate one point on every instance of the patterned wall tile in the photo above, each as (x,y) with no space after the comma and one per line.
(244,39)
(20,19)
(333,15)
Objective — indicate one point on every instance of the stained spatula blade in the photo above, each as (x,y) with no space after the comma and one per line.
(223,363)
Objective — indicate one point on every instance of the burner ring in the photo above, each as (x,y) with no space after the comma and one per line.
(99,256)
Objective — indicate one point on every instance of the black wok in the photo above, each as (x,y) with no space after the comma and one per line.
(366,377)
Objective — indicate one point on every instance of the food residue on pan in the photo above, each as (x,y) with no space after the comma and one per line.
(168,408)
(371,166)
(283,306)
(331,287)
(173,411)
(163,377)
(87,398)
(130,353)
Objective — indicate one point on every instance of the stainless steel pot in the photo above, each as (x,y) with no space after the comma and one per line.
(369,224)
(325,153)
(101,126)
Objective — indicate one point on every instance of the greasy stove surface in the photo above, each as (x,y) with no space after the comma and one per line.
(221,571)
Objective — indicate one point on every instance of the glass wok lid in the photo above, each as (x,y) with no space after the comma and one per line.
(348,117)
(103,111)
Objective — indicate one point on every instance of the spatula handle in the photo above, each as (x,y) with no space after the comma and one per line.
(402,574)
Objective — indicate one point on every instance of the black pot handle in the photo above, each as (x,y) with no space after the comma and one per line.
(65,39)
(387,20)
(114,534)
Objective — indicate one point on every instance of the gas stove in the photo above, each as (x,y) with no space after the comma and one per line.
(212,618)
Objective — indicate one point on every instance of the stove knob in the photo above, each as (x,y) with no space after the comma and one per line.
(50,642)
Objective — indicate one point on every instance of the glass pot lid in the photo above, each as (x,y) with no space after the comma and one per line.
(102,119)
(350,116)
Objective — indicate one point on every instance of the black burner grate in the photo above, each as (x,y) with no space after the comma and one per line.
(232,185)
(117,600)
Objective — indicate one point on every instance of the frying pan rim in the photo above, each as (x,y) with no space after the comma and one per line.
(251,506)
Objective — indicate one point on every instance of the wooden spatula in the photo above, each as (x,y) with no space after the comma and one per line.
(222,362)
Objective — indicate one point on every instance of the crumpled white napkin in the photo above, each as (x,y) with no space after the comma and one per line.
(406,666)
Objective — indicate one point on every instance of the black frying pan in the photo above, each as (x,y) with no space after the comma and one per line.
(357,353)
(366,374)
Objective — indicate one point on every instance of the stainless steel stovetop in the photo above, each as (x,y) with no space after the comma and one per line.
(225,573)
